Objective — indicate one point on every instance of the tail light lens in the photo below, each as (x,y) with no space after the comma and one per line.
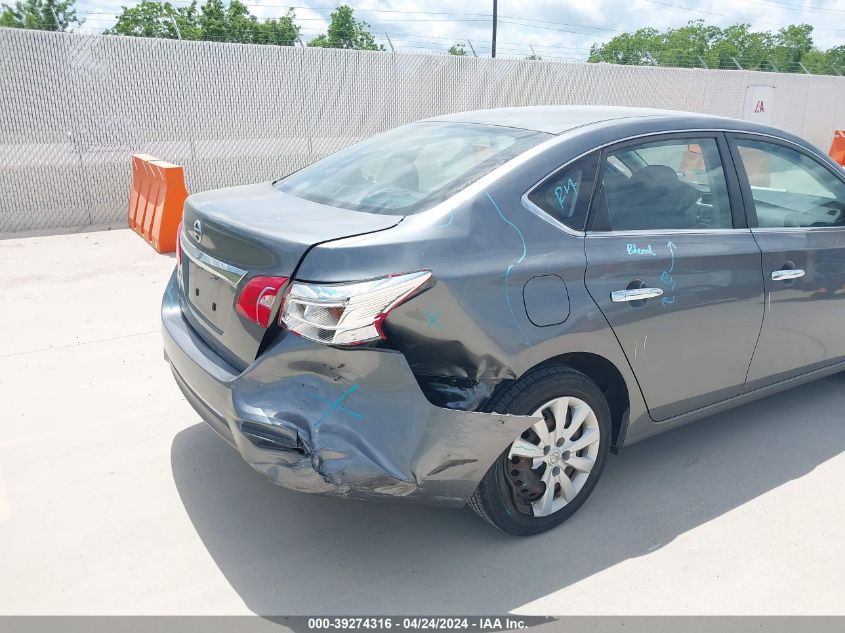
(347,314)
(255,302)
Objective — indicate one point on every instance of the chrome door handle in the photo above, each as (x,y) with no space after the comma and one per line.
(787,274)
(638,294)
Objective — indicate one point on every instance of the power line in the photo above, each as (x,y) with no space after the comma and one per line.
(548,28)
(797,7)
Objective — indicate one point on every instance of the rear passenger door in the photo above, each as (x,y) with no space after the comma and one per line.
(797,205)
(674,269)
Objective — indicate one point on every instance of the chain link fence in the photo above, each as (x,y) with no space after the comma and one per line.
(74,107)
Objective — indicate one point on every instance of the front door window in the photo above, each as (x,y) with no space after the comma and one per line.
(663,185)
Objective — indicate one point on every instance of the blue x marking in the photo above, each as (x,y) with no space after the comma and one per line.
(432,318)
(337,405)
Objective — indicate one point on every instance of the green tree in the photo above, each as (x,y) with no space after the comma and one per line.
(835,59)
(534,57)
(157,19)
(785,51)
(214,20)
(282,31)
(458,49)
(39,14)
(628,48)
(346,32)
(790,45)
(751,49)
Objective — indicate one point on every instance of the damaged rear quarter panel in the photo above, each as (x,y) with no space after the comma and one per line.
(367,428)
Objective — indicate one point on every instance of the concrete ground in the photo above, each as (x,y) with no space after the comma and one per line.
(116,499)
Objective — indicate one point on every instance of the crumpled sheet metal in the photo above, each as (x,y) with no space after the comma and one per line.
(367,429)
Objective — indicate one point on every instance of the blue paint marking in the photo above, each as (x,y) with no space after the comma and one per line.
(432,318)
(337,405)
(667,278)
(672,249)
(633,249)
(562,191)
(510,268)
(448,222)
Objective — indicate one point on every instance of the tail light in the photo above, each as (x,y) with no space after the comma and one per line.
(347,314)
(255,302)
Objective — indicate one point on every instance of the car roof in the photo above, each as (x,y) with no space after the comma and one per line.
(560,119)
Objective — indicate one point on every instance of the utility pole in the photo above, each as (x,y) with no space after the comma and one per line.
(472,48)
(392,50)
(495,20)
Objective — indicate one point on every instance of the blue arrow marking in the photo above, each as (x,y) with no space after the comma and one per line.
(672,249)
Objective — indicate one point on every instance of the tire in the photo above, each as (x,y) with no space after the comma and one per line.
(501,498)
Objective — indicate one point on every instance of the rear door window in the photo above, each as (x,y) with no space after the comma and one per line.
(663,185)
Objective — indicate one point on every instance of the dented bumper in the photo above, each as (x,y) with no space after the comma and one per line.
(336,421)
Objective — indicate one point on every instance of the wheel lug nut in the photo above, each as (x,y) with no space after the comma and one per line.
(546,450)
(556,471)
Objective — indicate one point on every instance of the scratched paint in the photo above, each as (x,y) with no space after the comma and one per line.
(511,267)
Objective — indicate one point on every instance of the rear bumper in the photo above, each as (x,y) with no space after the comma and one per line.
(325,420)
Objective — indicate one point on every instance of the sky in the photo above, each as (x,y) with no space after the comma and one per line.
(556,29)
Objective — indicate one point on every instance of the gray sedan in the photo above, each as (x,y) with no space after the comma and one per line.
(478,308)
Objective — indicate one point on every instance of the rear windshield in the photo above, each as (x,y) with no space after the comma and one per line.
(409,169)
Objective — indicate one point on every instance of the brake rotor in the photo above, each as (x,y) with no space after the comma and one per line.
(524,480)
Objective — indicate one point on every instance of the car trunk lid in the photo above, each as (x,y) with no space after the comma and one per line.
(233,235)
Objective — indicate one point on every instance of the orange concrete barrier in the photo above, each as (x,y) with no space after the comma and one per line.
(837,147)
(156,197)
(138,190)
